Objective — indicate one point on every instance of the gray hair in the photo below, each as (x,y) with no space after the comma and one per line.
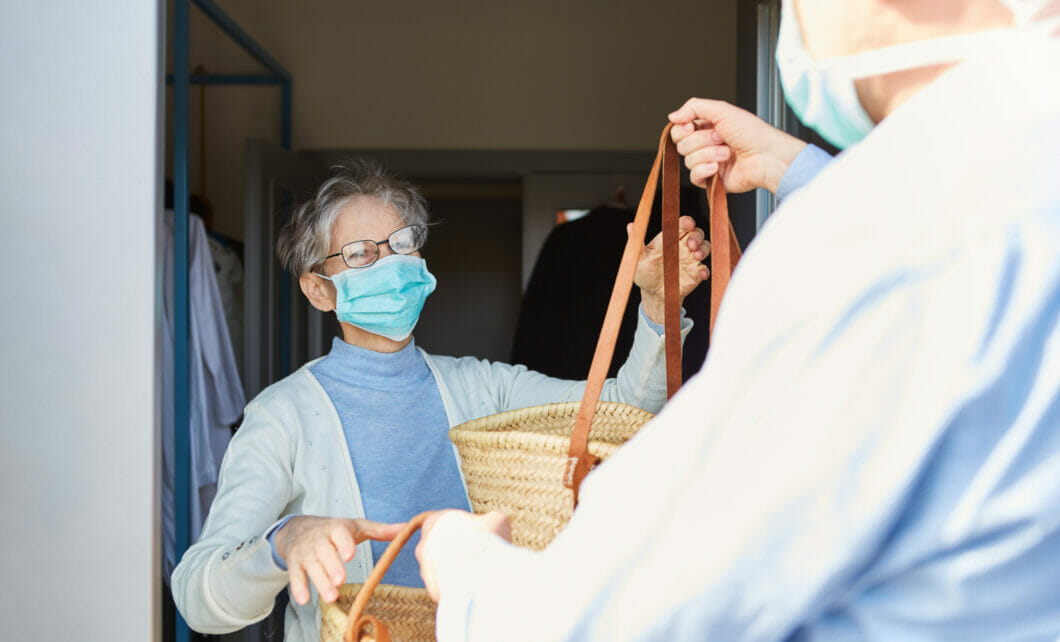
(305,239)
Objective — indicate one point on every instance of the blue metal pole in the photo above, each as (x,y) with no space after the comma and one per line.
(229,26)
(181,402)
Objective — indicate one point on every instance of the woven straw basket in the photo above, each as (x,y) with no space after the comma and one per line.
(530,463)
(514,462)
(408,612)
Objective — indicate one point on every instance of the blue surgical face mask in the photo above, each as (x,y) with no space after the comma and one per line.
(386,297)
(822,93)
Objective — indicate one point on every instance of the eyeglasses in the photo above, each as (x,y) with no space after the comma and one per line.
(359,254)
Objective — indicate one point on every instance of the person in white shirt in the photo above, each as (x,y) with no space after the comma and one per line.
(880,456)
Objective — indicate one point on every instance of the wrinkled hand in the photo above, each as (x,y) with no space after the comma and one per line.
(494,522)
(318,547)
(715,136)
(649,276)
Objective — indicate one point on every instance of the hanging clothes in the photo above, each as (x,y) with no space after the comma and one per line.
(215,392)
(228,268)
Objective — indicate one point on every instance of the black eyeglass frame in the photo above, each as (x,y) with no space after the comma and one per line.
(419,230)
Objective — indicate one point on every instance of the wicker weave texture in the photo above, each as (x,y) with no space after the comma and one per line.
(514,462)
(408,613)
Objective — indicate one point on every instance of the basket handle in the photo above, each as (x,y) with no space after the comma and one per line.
(366,628)
(725,252)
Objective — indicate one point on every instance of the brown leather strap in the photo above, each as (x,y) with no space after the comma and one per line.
(363,628)
(579,460)
(724,249)
(671,179)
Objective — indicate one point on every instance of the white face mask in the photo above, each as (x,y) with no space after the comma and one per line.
(822,93)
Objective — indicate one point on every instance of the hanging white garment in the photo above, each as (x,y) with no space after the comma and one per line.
(229,272)
(215,391)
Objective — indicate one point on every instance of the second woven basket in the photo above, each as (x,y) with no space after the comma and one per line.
(408,612)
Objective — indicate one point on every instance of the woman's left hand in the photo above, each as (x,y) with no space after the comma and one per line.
(694,248)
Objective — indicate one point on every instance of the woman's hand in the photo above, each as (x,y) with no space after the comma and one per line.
(715,136)
(649,276)
(319,547)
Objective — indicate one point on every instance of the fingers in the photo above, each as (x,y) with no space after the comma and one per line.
(686,225)
(317,548)
(343,541)
(366,529)
(319,577)
(699,108)
(330,562)
(704,151)
(696,274)
(322,566)
(299,586)
(694,237)
(700,174)
(700,139)
(705,155)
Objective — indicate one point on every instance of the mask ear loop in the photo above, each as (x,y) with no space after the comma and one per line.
(919,53)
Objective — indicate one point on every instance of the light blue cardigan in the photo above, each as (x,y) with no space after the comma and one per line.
(290,457)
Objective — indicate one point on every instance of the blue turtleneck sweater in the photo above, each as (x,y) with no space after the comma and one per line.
(397,432)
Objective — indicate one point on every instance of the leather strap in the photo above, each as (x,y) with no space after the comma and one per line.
(579,460)
(365,628)
(725,252)
(671,179)
(724,249)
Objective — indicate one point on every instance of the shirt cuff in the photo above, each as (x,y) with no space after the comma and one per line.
(659,328)
(270,534)
(806,166)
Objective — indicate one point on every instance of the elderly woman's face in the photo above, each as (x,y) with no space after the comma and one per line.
(363,218)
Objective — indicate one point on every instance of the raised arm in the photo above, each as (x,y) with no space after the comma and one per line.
(641,381)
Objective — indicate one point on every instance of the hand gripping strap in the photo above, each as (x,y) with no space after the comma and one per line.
(579,460)
(725,252)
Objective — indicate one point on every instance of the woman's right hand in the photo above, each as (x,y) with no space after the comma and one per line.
(319,547)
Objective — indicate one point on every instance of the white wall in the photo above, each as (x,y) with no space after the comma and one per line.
(79,165)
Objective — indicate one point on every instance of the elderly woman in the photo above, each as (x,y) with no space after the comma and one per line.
(362,433)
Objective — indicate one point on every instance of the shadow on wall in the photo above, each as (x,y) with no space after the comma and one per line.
(474,251)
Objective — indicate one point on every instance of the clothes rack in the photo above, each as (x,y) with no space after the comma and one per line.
(181,79)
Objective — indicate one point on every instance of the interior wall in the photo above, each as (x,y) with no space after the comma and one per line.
(475,307)
(80,122)
(474,74)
